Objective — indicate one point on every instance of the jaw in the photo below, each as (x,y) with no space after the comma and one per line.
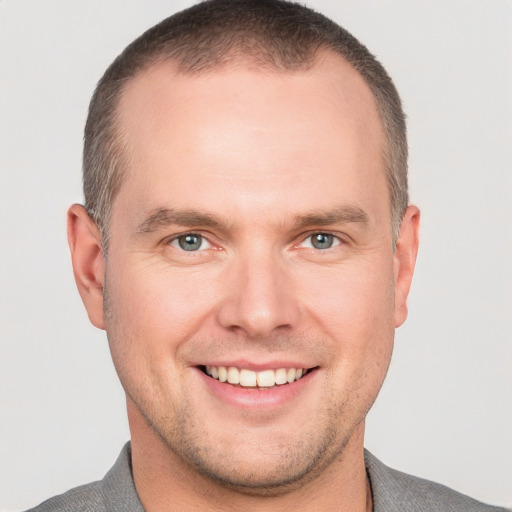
(156,466)
(249,440)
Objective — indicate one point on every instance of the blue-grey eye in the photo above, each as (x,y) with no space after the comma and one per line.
(322,240)
(190,242)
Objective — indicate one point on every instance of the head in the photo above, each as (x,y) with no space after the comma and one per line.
(271,35)
(248,160)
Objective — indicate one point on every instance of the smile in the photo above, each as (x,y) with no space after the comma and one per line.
(252,379)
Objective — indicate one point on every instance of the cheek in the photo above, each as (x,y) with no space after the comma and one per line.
(156,306)
(351,299)
(150,316)
(354,308)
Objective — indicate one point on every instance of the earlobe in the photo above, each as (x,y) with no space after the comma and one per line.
(405,260)
(88,262)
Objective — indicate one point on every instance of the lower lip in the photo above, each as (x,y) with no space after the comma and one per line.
(254,398)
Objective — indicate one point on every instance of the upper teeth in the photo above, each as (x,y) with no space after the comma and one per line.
(248,378)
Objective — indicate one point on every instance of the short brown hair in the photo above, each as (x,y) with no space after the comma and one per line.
(274,34)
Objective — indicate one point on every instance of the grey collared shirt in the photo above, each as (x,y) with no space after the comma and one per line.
(392,491)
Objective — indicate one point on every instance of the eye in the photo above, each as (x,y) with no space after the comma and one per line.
(321,241)
(190,242)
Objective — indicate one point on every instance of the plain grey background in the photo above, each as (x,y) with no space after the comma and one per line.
(445,411)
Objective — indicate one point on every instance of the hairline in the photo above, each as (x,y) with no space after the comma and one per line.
(119,152)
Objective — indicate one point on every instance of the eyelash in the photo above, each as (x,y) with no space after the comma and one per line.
(176,240)
(335,239)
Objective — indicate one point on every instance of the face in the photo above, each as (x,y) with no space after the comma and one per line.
(251,285)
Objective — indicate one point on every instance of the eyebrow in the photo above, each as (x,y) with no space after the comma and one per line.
(163,217)
(341,215)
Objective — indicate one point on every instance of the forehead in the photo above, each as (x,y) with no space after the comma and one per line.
(259,131)
(330,83)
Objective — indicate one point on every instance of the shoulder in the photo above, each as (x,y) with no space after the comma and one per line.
(115,492)
(396,491)
(86,498)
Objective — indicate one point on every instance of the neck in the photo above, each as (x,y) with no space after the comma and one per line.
(164,482)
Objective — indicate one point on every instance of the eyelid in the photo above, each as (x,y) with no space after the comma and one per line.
(170,240)
(173,241)
(307,236)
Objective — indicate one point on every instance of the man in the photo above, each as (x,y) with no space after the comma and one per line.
(248,246)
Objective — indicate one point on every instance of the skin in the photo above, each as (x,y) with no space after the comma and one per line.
(274,158)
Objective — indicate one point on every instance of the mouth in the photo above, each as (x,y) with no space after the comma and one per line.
(265,379)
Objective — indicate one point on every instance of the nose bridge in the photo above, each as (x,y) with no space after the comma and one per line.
(260,295)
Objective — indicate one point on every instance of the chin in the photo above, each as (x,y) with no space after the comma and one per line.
(272,467)
(261,481)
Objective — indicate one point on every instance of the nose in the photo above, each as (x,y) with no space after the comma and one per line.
(259,297)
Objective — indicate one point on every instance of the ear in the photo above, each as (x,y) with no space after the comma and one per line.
(88,262)
(405,259)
